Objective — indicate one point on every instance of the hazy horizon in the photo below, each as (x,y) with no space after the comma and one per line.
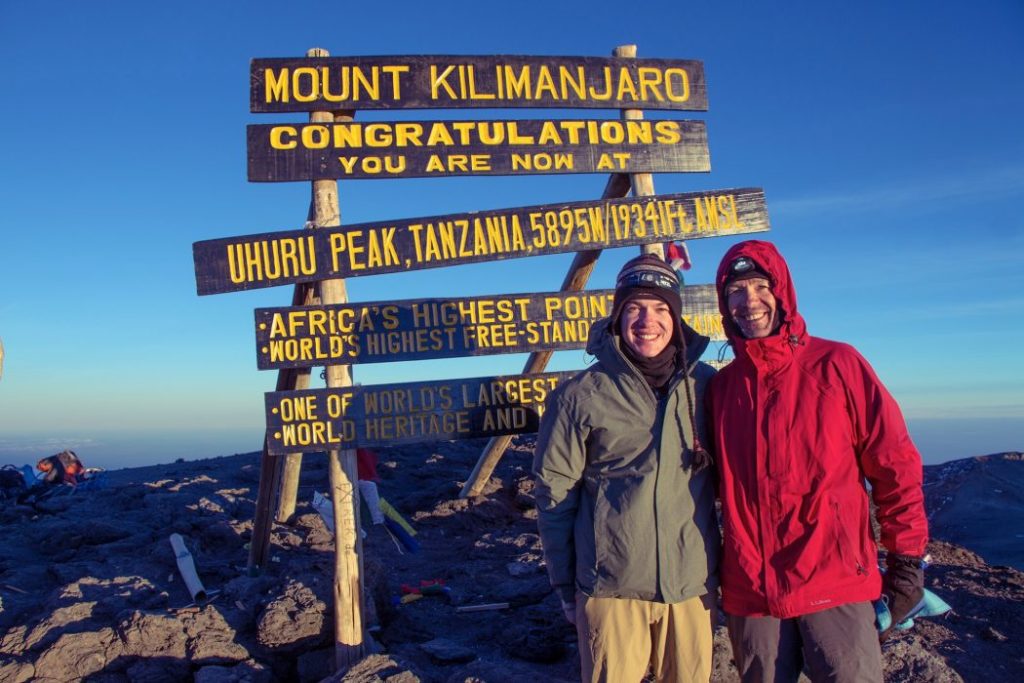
(938,439)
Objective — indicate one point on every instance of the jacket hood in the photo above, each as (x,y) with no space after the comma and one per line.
(604,345)
(768,258)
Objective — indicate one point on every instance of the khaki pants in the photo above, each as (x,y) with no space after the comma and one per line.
(620,639)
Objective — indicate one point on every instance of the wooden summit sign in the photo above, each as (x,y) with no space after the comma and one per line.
(452,82)
(413,412)
(422,329)
(265,260)
(418,149)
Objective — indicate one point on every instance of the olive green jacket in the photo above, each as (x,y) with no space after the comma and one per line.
(621,511)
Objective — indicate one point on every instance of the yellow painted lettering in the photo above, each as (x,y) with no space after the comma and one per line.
(283,137)
(434,163)
(677,85)
(626,86)
(275,85)
(371,86)
(517,86)
(313,89)
(577,85)
(650,81)
(338,244)
(315,137)
(474,94)
(396,83)
(669,132)
(347,164)
(440,80)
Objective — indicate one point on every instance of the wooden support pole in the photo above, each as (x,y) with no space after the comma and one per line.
(575,280)
(270,475)
(259,544)
(291,468)
(348,589)
(291,465)
(643,183)
(349,645)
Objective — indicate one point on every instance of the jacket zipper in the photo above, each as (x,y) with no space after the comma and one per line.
(842,540)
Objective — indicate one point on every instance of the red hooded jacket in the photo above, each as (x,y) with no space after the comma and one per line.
(798,424)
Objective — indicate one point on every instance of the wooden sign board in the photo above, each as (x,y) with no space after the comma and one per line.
(269,259)
(427,149)
(424,329)
(414,412)
(492,82)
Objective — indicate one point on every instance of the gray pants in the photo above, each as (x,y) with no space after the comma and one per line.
(838,644)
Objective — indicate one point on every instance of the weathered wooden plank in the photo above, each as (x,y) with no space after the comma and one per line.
(426,149)
(460,81)
(423,329)
(269,259)
(413,412)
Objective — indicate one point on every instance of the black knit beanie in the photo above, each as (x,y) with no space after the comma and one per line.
(647,276)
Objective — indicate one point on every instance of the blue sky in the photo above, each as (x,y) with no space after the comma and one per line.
(886,135)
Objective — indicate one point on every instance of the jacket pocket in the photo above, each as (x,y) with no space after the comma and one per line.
(849,555)
(623,534)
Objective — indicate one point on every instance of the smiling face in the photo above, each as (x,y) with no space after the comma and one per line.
(646,326)
(752,307)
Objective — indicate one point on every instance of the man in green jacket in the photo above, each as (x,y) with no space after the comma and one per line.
(625,497)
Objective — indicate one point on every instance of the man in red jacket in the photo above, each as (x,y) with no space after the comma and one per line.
(798,424)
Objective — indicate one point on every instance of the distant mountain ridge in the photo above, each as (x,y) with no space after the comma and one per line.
(979,503)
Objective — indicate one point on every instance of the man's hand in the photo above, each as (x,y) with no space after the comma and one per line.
(902,588)
(569,610)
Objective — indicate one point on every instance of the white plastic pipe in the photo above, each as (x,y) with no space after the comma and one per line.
(188,569)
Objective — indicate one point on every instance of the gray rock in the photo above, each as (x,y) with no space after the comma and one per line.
(211,640)
(520,569)
(153,635)
(907,661)
(17,672)
(74,656)
(293,621)
(376,668)
(153,670)
(445,651)
(245,672)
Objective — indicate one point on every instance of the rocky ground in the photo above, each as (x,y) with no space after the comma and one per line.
(979,503)
(91,591)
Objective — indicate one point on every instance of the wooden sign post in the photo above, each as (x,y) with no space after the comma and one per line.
(321,328)
(348,574)
(348,590)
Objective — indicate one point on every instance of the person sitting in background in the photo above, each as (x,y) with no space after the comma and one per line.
(62,468)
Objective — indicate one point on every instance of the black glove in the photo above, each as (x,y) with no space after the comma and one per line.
(902,587)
